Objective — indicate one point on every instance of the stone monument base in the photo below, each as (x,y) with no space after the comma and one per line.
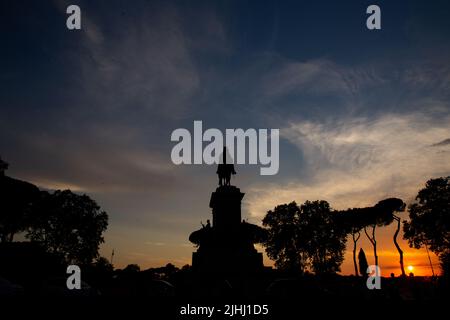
(227,245)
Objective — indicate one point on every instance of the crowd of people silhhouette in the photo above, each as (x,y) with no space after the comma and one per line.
(306,241)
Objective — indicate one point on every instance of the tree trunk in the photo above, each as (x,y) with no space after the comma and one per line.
(400,251)
(373,241)
(429,259)
(355,240)
(375,253)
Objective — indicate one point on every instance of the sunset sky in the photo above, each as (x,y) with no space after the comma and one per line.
(363,115)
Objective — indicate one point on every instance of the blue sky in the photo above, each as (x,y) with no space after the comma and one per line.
(359,111)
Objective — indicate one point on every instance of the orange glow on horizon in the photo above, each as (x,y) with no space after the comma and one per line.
(162,250)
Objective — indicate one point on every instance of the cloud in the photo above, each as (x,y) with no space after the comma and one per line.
(144,63)
(319,76)
(93,162)
(359,161)
(155,243)
(125,85)
(433,76)
(442,143)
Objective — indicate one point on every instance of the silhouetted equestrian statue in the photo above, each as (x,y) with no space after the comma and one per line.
(225,245)
(225,170)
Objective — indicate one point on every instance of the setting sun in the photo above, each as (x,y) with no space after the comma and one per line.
(410,268)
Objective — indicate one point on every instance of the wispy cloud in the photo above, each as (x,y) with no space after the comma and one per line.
(155,243)
(320,76)
(441,143)
(359,161)
(144,64)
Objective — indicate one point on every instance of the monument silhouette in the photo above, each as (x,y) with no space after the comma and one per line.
(227,245)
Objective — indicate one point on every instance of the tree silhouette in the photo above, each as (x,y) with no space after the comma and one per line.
(16,204)
(429,223)
(372,222)
(351,220)
(69,225)
(444,259)
(382,214)
(132,268)
(325,240)
(103,265)
(305,236)
(284,243)
(99,273)
(401,208)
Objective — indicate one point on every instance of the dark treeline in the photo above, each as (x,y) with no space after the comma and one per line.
(307,240)
(313,236)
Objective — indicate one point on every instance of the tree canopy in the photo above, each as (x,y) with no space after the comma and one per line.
(304,236)
(16,204)
(429,222)
(284,243)
(69,225)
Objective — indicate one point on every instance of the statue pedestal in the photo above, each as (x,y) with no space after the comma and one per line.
(227,246)
(226,207)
